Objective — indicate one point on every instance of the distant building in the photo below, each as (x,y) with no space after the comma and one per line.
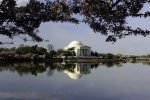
(50,47)
(79,48)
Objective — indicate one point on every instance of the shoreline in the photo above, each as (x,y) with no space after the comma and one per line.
(80,60)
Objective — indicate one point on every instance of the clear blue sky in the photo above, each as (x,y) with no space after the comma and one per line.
(61,34)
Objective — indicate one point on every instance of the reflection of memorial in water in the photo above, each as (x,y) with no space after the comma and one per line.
(79,70)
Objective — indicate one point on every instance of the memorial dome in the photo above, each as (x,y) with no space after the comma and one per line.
(74,44)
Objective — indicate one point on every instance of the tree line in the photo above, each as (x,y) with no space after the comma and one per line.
(35,52)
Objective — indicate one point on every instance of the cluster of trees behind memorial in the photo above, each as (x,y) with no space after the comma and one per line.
(37,53)
(107,17)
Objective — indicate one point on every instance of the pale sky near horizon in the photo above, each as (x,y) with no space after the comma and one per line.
(61,34)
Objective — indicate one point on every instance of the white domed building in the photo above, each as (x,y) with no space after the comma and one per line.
(79,48)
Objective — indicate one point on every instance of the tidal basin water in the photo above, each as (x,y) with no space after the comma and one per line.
(78,81)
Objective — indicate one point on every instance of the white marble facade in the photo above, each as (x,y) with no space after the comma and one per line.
(79,48)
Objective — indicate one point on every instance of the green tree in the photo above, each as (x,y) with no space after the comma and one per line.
(109,55)
(71,50)
(148,55)
(24,50)
(41,50)
(101,55)
(92,53)
(59,52)
(67,53)
(13,49)
(31,49)
(51,54)
(96,54)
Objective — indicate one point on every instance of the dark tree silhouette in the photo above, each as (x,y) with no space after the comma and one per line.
(107,17)
(25,20)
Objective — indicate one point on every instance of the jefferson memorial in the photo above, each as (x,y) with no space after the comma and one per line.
(79,49)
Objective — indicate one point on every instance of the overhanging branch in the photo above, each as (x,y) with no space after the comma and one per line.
(116,3)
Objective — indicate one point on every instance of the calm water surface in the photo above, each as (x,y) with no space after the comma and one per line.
(78,81)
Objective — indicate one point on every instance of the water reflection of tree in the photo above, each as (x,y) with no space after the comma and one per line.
(37,68)
(68,66)
(112,64)
(23,68)
(94,65)
(51,68)
(145,63)
(34,70)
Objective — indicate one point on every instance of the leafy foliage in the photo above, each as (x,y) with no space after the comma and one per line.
(25,20)
(107,17)
(31,49)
